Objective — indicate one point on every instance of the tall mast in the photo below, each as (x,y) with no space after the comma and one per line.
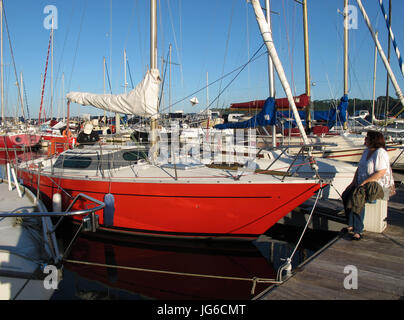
(271,77)
(153,34)
(103,71)
(153,63)
(382,56)
(388,59)
(374,83)
(207,89)
(346,42)
(124,66)
(22,94)
(62,95)
(1,63)
(307,63)
(51,81)
(169,91)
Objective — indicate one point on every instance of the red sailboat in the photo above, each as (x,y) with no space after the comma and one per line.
(157,199)
(164,198)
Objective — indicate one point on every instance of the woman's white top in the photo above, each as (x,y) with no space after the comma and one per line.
(379,160)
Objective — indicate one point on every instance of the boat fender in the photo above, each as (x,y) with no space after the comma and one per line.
(109,210)
(57,202)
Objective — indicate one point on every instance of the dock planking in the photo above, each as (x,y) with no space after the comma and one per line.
(378,258)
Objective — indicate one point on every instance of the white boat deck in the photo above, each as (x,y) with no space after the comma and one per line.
(143,172)
(21,249)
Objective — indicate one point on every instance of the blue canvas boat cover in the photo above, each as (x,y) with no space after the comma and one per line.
(267,116)
(341,110)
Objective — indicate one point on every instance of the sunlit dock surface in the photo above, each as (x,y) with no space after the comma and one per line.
(377,260)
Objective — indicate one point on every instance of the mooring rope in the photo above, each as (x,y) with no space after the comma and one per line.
(254,280)
(287,265)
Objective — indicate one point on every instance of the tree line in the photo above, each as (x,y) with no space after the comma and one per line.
(355,104)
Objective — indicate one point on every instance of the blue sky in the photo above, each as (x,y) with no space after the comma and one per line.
(209,38)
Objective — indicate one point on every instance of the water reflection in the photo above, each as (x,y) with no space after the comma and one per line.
(145,268)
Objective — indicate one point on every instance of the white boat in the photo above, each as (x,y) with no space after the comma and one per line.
(23,250)
(30,259)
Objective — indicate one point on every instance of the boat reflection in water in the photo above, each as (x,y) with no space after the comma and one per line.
(101,266)
(165,269)
(170,270)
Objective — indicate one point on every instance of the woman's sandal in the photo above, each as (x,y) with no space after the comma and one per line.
(357,238)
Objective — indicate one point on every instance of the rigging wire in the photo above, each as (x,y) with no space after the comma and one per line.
(77,45)
(289,47)
(175,43)
(162,83)
(63,48)
(240,69)
(109,81)
(12,57)
(25,98)
(130,74)
(226,50)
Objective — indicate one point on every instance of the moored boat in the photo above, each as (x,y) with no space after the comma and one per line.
(173,200)
(18,140)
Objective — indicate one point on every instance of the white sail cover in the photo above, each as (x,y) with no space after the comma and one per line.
(141,101)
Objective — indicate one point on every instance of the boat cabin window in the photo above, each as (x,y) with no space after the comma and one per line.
(132,156)
(99,160)
(73,162)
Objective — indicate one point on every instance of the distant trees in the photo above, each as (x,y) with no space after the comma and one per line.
(356,104)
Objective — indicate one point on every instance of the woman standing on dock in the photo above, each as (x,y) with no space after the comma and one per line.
(372,177)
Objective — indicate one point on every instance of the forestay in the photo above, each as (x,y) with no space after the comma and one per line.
(141,101)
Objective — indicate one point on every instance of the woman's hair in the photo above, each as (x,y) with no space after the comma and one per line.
(376,140)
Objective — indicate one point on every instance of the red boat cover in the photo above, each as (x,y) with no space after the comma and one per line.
(319,130)
(301,102)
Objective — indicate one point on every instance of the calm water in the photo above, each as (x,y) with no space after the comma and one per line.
(165,269)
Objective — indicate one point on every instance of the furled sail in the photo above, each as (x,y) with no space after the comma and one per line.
(141,101)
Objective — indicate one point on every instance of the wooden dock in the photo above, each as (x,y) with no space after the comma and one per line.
(378,261)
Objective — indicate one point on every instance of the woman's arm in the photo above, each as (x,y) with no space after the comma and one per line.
(375,176)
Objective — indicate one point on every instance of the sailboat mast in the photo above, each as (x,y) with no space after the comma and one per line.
(124,66)
(382,55)
(103,71)
(374,84)
(153,34)
(153,61)
(62,95)
(1,63)
(307,63)
(346,43)
(271,70)
(270,62)
(22,95)
(51,81)
(388,59)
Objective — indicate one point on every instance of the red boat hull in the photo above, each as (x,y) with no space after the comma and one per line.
(183,208)
(19,140)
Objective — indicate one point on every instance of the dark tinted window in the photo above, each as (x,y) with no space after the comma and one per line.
(132,156)
(73,162)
